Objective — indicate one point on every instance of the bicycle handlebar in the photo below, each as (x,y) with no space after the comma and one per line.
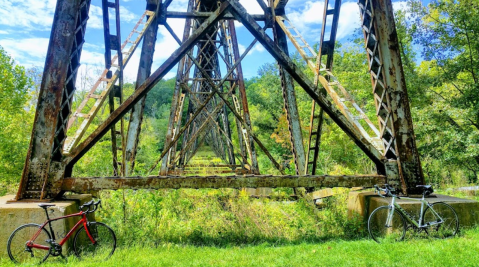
(89,206)
(388,190)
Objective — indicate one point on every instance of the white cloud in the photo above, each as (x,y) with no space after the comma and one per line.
(307,17)
(28,51)
(126,15)
(28,14)
(256,48)
(179,5)
(90,57)
(252,6)
(95,19)
(349,19)
(3,32)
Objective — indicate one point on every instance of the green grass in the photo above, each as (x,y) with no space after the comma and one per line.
(458,251)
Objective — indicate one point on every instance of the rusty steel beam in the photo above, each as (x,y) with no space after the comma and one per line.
(88,112)
(248,129)
(141,91)
(37,170)
(244,100)
(180,132)
(205,77)
(215,89)
(206,122)
(85,185)
(207,55)
(290,105)
(179,96)
(390,95)
(317,113)
(144,70)
(204,15)
(365,145)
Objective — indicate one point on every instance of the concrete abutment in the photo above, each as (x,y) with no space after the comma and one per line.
(13,215)
(362,204)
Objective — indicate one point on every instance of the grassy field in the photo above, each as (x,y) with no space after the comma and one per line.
(226,227)
(458,251)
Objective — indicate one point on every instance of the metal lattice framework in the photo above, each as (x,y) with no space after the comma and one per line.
(210,82)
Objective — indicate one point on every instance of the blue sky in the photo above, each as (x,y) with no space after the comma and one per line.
(25,29)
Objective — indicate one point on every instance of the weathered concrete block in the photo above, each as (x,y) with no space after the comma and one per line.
(13,215)
(322,193)
(363,203)
(259,192)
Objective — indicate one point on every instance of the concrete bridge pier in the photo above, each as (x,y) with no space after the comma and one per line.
(362,204)
(12,215)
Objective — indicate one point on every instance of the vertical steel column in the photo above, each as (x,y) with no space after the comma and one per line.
(113,42)
(43,170)
(290,104)
(141,91)
(178,97)
(144,70)
(197,88)
(325,48)
(244,100)
(389,87)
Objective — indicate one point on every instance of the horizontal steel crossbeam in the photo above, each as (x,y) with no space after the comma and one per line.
(85,185)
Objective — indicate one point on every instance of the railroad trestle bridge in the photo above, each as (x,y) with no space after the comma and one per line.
(210,81)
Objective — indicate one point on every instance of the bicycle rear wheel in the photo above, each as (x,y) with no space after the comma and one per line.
(17,245)
(446,229)
(105,242)
(386,234)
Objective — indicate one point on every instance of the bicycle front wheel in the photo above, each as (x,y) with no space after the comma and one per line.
(382,233)
(17,248)
(450,224)
(105,242)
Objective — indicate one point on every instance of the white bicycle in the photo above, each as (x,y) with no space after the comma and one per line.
(389,223)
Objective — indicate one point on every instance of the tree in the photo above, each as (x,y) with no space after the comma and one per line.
(447,83)
(16,117)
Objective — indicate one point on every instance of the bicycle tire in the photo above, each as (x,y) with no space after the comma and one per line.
(103,235)
(16,245)
(377,226)
(448,228)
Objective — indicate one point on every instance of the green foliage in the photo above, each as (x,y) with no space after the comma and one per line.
(444,88)
(459,251)
(16,116)
(14,86)
(221,217)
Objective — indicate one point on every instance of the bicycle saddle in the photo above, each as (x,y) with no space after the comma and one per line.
(44,206)
(427,189)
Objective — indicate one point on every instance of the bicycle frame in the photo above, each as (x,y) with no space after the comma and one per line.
(408,217)
(83,221)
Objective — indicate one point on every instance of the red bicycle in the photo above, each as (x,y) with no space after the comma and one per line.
(33,243)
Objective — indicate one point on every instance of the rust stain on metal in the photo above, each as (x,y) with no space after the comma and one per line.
(84,185)
(390,94)
(44,170)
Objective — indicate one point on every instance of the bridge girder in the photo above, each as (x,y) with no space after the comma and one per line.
(48,169)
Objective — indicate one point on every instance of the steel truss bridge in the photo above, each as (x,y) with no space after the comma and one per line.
(210,82)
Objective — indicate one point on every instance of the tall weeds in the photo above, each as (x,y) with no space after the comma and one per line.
(221,217)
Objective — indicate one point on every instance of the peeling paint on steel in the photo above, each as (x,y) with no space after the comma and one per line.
(84,185)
